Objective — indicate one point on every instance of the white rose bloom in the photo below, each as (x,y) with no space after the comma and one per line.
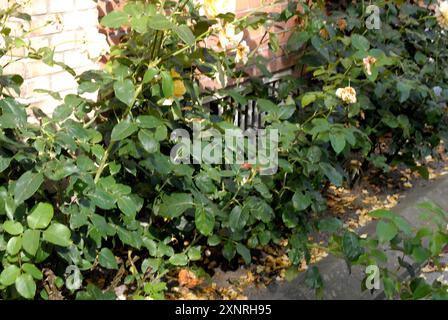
(227,36)
(347,94)
(242,52)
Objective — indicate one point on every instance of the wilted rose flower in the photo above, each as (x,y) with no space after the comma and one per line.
(56,21)
(347,94)
(324,34)
(368,62)
(227,36)
(242,52)
(342,24)
(442,14)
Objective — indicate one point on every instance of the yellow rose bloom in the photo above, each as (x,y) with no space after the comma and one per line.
(179,87)
(442,14)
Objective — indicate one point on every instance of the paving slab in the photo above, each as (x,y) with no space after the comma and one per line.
(339,283)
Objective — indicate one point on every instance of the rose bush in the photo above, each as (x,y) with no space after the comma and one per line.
(92,188)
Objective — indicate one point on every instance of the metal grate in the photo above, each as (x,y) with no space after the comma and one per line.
(244,116)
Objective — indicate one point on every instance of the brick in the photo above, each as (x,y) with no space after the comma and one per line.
(85,4)
(80,19)
(46,104)
(62,81)
(30,85)
(36,7)
(3,4)
(59,6)
(39,42)
(18,67)
(35,68)
(64,41)
(76,59)
(46,24)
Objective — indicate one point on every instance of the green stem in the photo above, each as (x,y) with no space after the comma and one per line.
(112,143)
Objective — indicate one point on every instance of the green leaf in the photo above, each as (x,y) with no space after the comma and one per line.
(194,254)
(308,98)
(244,252)
(148,122)
(167,84)
(175,204)
(382,214)
(102,199)
(14,245)
(213,240)
(229,250)
(301,201)
(437,242)
(360,42)
(178,259)
(123,130)
(404,88)
(27,185)
(94,293)
(4,163)
(12,227)
(159,22)
(297,39)
(9,275)
(421,254)
(31,241)
(57,234)
(337,141)
(115,19)
(32,270)
(205,221)
(332,174)
(420,289)
(128,205)
(402,224)
(149,143)
(237,219)
(185,34)
(386,231)
(329,225)
(350,246)
(14,113)
(26,286)
(125,91)
(107,259)
(149,75)
(40,216)
(161,133)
